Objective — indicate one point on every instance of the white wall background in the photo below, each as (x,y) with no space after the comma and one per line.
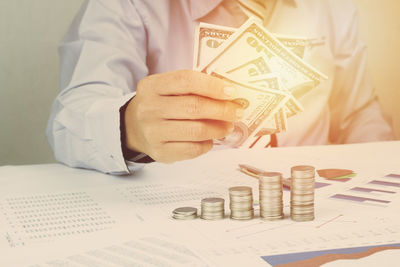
(29,34)
(30,31)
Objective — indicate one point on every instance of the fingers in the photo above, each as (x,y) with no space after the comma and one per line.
(193,131)
(184,82)
(176,151)
(197,107)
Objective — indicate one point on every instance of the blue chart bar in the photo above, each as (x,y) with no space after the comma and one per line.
(385,183)
(315,258)
(392,175)
(359,199)
(371,190)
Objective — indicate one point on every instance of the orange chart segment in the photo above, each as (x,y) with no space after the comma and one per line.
(317,258)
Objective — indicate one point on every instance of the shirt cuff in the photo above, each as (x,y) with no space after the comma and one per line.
(104,125)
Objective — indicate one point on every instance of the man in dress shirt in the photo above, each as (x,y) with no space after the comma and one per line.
(127,92)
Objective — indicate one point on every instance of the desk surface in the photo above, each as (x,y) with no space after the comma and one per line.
(55,215)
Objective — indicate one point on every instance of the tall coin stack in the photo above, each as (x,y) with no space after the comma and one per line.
(241,203)
(302,193)
(271,195)
(212,208)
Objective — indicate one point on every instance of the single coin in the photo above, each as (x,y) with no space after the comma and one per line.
(302,171)
(185,211)
(240,190)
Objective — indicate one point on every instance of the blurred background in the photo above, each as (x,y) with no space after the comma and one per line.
(31,30)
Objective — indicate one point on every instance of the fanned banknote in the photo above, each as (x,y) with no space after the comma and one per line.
(255,59)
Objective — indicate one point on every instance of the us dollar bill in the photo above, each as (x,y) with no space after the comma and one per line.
(208,37)
(257,70)
(260,104)
(271,81)
(252,40)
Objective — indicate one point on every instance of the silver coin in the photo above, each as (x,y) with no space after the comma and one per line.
(302,171)
(241,207)
(212,201)
(242,218)
(212,209)
(301,198)
(212,213)
(302,184)
(186,217)
(241,198)
(274,215)
(269,194)
(303,206)
(276,186)
(185,211)
(270,177)
(272,218)
(271,214)
(302,218)
(242,212)
(297,191)
(271,198)
(266,207)
(301,210)
(212,218)
(240,191)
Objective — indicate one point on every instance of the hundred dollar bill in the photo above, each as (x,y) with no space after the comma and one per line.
(208,37)
(271,81)
(257,70)
(252,40)
(256,73)
(251,68)
(296,44)
(292,107)
(260,105)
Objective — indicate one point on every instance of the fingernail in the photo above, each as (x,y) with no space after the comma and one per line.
(240,113)
(230,91)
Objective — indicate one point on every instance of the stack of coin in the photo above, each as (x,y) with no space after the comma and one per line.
(271,195)
(184,213)
(241,203)
(302,193)
(212,208)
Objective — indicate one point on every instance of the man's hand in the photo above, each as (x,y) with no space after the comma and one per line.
(176,115)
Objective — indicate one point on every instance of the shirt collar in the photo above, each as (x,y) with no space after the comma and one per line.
(200,8)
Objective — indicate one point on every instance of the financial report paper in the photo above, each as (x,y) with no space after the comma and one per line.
(54,215)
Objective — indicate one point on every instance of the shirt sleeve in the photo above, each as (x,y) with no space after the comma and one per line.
(355,112)
(103,56)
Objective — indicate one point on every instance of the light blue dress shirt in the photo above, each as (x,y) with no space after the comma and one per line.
(112,45)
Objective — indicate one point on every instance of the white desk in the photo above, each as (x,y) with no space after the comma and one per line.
(52,215)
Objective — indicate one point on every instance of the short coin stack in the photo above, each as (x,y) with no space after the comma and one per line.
(271,202)
(302,193)
(241,203)
(212,208)
(184,213)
